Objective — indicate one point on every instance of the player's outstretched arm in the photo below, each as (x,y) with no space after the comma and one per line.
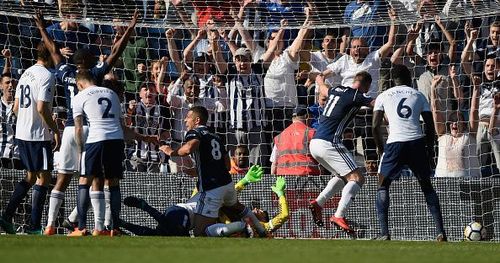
(131,134)
(282,217)
(185,149)
(49,42)
(253,175)
(119,46)
(378,117)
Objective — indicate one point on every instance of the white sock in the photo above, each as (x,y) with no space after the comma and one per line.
(99,205)
(108,220)
(73,217)
(225,230)
(56,200)
(350,190)
(334,185)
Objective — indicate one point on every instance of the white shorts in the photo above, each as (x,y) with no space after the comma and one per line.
(333,156)
(209,202)
(68,158)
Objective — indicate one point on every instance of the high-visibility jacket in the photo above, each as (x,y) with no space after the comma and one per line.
(292,155)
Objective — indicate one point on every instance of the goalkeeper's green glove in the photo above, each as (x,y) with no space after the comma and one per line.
(279,188)
(253,175)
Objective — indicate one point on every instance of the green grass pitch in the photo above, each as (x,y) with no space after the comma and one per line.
(41,249)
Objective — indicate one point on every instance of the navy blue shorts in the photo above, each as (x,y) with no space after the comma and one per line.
(104,159)
(398,154)
(36,156)
(175,222)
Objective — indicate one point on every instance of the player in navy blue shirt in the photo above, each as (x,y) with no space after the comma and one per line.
(215,185)
(326,147)
(84,59)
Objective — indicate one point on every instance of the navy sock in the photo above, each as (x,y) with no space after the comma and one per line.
(17,197)
(432,201)
(38,201)
(159,217)
(83,202)
(383,210)
(140,230)
(435,208)
(116,204)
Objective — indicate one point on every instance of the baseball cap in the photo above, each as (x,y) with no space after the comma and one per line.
(243,51)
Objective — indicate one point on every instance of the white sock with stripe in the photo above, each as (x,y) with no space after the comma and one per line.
(334,185)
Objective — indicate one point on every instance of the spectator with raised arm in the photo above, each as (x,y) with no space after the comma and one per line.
(475,51)
(457,155)
(279,82)
(245,90)
(438,63)
(487,138)
(9,152)
(134,59)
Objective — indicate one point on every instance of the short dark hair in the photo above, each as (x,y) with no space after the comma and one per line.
(401,75)
(201,112)
(241,146)
(5,75)
(42,52)
(114,85)
(364,77)
(84,75)
(432,46)
(84,56)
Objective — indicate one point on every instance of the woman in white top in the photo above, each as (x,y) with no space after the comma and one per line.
(457,155)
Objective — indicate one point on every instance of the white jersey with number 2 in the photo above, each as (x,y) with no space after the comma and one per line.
(102,108)
(36,84)
(402,106)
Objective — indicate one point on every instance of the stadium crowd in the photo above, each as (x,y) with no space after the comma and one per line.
(266,93)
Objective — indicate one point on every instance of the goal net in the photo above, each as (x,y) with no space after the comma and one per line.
(182,54)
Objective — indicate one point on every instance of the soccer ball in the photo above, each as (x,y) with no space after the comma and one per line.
(474,232)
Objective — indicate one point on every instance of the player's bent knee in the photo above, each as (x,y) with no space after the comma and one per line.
(62,182)
(355,176)
(44,178)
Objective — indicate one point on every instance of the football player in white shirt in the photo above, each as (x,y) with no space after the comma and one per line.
(102,152)
(33,107)
(406,145)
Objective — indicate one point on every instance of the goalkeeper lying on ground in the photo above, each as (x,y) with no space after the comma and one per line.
(177,220)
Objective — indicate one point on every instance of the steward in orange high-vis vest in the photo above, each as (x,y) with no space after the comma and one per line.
(290,154)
